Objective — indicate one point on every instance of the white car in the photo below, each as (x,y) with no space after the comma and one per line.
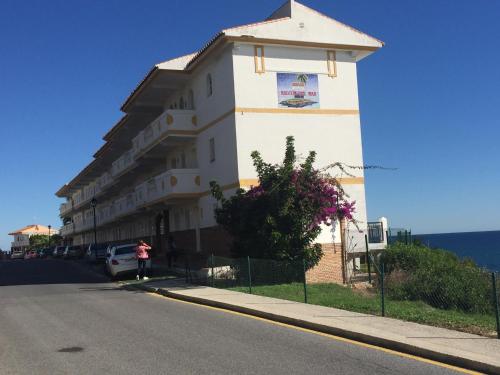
(17,255)
(121,259)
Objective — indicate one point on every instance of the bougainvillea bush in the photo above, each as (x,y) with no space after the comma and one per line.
(282,216)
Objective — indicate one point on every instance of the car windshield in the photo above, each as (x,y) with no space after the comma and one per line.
(125,250)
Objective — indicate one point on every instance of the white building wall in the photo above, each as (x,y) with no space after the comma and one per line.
(334,137)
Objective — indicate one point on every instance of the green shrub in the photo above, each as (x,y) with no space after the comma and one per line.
(437,277)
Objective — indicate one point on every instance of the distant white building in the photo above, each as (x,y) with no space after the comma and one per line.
(197,118)
(22,236)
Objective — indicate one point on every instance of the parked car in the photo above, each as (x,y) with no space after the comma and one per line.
(73,252)
(18,254)
(121,259)
(30,254)
(58,251)
(96,252)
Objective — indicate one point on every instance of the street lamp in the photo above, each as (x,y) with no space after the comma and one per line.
(93,203)
(50,226)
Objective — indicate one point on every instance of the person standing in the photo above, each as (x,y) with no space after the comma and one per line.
(141,253)
(172,250)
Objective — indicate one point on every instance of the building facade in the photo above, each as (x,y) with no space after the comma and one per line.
(197,118)
(22,236)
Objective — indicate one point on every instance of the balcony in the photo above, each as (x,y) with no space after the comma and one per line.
(65,208)
(67,230)
(170,123)
(122,164)
(170,184)
(20,243)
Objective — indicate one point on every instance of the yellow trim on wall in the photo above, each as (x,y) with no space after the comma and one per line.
(351,180)
(331,60)
(247,182)
(298,111)
(259,68)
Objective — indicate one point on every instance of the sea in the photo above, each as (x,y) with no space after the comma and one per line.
(482,247)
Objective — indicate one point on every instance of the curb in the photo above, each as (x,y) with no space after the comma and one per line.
(448,359)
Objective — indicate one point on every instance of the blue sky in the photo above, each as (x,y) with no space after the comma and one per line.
(429,99)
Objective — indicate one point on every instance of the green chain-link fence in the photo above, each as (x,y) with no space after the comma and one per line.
(466,302)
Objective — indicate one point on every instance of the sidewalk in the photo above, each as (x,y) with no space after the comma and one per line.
(455,348)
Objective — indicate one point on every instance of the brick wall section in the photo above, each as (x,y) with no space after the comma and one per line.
(329,268)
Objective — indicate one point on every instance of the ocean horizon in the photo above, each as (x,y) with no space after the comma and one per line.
(482,247)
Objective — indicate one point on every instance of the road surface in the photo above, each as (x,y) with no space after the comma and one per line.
(57,317)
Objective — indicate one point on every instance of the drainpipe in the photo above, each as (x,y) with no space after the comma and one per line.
(343,249)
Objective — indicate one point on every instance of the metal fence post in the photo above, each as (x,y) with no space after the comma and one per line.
(495,301)
(368,259)
(382,294)
(305,281)
(212,266)
(249,276)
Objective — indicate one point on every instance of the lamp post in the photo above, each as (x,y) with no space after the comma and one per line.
(93,203)
(50,226)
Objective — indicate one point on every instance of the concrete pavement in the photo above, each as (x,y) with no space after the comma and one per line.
(56,317)
(452,347)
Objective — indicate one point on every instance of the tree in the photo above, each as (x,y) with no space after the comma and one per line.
(281,217)
(38,241)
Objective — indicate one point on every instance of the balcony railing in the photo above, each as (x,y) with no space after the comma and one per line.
(65,207)
(175,182)
(67,229)
(122,163)
(171,121)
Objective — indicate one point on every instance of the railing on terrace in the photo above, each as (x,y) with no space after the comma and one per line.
(122,163)
(65,207)
(173,181)
(67,229)
(170,120)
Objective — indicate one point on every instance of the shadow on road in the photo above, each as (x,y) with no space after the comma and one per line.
(47,271)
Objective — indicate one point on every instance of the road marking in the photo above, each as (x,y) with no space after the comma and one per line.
(328,335)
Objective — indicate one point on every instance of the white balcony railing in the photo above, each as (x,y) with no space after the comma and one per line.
(162,186)
(65,207)
(174,181)
(122,163)
(171,120)
(67,229)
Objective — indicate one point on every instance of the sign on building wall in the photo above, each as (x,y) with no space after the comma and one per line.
(298,90)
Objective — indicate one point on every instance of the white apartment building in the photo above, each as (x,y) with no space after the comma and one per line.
(21,237)
(198,117)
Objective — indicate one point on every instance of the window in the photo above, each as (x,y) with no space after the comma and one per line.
(187,218)
(183,159)
(212,149)
(173,163)
(332,65)
(259,59)
(209,85)
(124,250)
(190,100)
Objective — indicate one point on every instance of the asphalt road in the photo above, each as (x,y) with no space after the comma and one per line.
(57,317)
